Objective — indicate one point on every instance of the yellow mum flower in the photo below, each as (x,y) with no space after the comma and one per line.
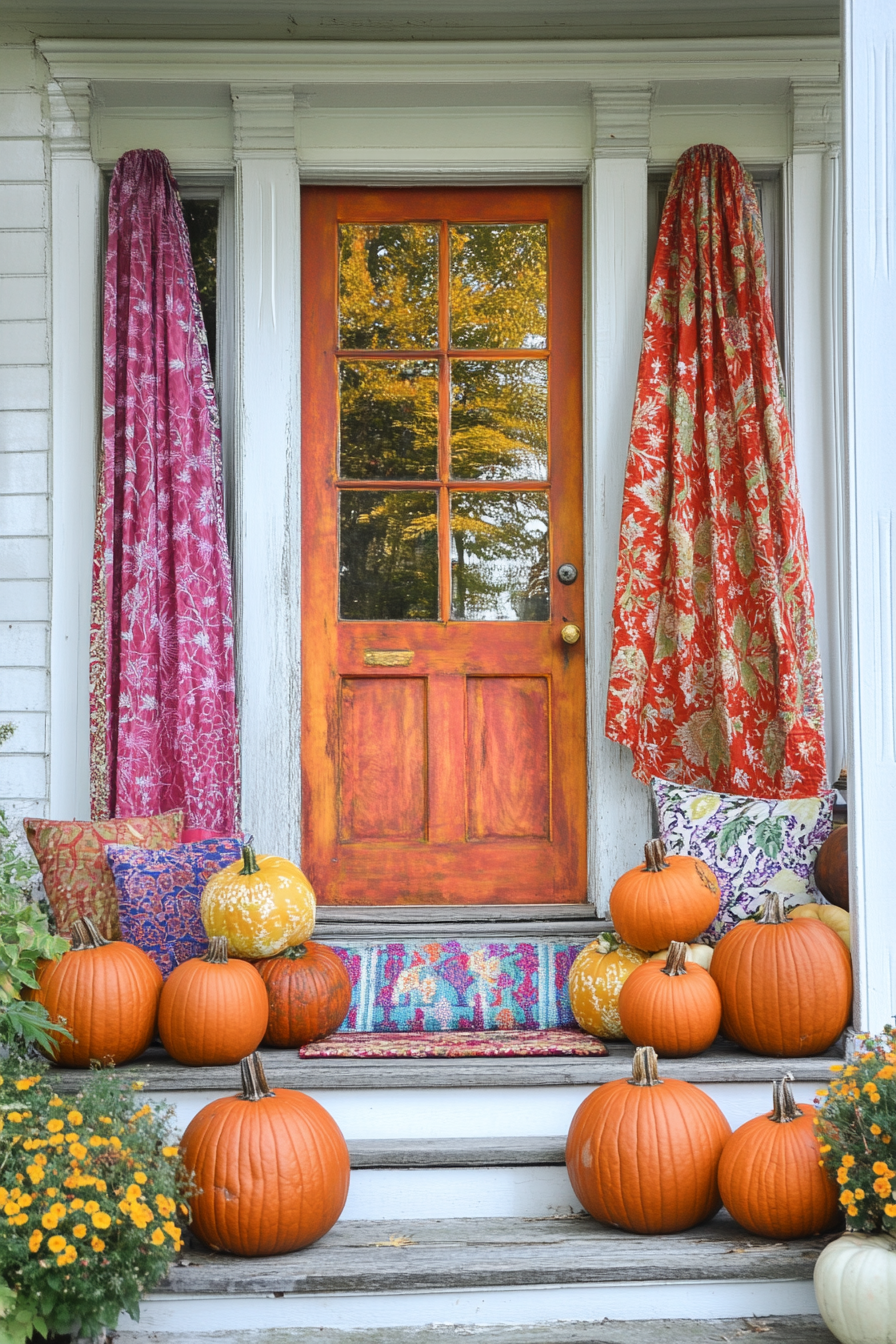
(49,1221)
(842,1175)
(890,1210)
(11,1208)
(77,1204)
(56,1244)
(136,1087)
(35,1240)
(68,1255)
(79,1230)
(845,1196)
(91,1206)
(100,1185)
(20,1220)
(56,1101)
(172,1229)
(133,1192)
(72,1138)
(115,1142)
(849,1071)
(157,1237)
(57,1140)
(105,1119)
(875,1129)
(75,1118)
(22,1084)
(57,1209)
(885,1138)
(97,1244)
(140,1177)
(35,1173)
(825,1148)
(171,1152)
(101,1220)
(886,1072)
(96,1140)
(860,1194)
(54,1126)
(852,1210)
(25,1201)
(837,1068)
(848,1160)
(78,1150)
(882,1187)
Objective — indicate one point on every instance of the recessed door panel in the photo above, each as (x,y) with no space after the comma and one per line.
(383,759)
(443,713)
(508,758)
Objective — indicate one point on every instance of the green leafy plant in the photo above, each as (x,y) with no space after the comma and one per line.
(91,1185)
(856,1132)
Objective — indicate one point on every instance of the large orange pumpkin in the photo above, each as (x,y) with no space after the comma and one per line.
(786,984)
(212,1010)
(832,868)
(643,1152)
(595,981)
(309,994)
(769,1176)
(271,1169)
(261,904)
(673,1005)
(108,994)
(672,898)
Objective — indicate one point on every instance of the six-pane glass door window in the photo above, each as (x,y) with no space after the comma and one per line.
(443,454)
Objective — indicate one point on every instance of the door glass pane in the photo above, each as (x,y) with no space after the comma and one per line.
(499,286)
(388,419)
(388,286)
(499,420)
(499,556)
(388,555)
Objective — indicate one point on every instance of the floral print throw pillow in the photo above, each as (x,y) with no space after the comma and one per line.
(753,845)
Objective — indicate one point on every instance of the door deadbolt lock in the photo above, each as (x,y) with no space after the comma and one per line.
(567,574)
(570,634)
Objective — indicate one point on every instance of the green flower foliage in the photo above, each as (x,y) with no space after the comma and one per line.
(91,1186)
(856,1131)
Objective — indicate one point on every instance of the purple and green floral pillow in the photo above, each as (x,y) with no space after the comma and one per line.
(159,893)
(753,845)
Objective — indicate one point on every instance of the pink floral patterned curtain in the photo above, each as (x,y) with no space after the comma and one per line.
(163,708)
(715,678)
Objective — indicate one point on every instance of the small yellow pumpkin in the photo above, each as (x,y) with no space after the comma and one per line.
(698,952)
(596,978)
(260,904)
(832,915)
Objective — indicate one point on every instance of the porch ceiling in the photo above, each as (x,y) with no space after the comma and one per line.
(390,20)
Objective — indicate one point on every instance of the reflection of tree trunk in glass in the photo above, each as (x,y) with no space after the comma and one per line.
(460,577)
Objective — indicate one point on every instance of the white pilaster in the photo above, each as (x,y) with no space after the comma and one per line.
(616,267)
(869,153)
(267,540)
(76,358)
(814,366)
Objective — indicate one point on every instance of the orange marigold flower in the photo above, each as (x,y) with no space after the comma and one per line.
(157,1237)
(54,1126)
(91,1206)
(56,1244)
(140,1177)
(837,1068)
(79,1230)
(78,1150)
(860,1194)
(852,1210)
(96,1140)
(882,1187)
(105,1119)
(172,1151)
(890,1210)
(848,1160)
(35,1240)
(101,1220)
(56,1101)
(49,1222)
(98,1244)
(880,1169)
(842,1175)
(75,1118)
(875,1129)
(845,1196)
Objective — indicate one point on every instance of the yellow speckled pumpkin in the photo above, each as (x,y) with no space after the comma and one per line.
(699,952)
(832,915)
(595,980)
(260,904)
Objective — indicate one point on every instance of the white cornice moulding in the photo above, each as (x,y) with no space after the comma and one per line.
(621,128)
(264,121)
(817,116)
(70,102)
(564,61)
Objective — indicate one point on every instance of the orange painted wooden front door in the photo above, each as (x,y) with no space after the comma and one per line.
(443,714)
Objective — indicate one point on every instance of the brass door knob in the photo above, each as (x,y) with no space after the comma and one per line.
(570,634)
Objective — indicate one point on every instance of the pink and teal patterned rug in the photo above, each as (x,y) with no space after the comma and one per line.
(459,985)
(452,1044)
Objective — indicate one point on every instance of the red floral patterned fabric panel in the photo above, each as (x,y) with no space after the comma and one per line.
(163,709)
(72,861)
(716,677)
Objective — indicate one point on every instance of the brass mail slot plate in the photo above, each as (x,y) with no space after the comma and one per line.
(388,657)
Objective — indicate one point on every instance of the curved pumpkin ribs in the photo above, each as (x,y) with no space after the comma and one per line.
(673,1005)
(671,897)
(213,1010)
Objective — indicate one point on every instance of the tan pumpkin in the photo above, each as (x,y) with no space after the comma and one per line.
(260,904)
(672,898)
(699,952)
(673,1005)
(596,978)
(832,915)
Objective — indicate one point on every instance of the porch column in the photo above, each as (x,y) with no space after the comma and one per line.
(616,269)
(814,360)
(869,150)
(76,189)
(266,539)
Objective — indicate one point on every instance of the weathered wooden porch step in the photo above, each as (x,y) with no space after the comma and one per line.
(476,1152)
(762,1329)
(382,923)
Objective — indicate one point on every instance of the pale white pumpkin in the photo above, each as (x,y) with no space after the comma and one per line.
(855,1285)
(698,952)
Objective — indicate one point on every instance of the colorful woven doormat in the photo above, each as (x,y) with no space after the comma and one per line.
(452,1044)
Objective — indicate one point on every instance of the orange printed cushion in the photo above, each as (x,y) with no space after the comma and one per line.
(73,863)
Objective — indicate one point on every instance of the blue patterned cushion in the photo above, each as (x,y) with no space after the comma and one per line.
(159,892)
(459,984)
(753,845)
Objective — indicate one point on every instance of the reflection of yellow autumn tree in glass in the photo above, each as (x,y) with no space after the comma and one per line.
(388,420)
(499,556)
(499,429)
(499,286)
(388,286)
(388,555)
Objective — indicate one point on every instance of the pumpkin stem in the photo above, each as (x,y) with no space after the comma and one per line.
(644,1071)
(86,935)
(774,912)
(675,961)
(249,864)
(785,1108)
(608,941)
(655,856)
(295,953)
(255,1085)
(217,952)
